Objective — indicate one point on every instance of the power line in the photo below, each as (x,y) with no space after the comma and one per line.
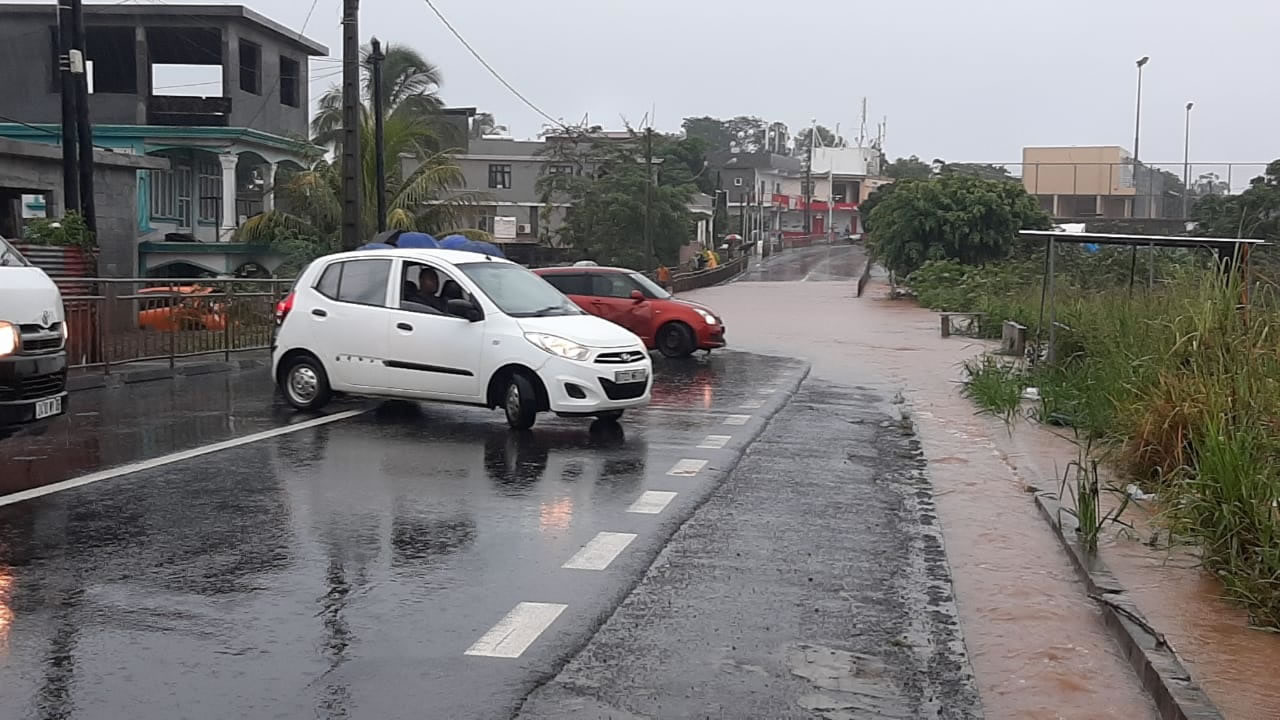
(489,67)
(47,131)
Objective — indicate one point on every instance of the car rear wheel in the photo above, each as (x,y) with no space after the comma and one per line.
(611,416)
(520,402)
(306,385)
(675,340)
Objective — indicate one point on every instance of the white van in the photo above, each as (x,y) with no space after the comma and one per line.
(452,326)
(33,336)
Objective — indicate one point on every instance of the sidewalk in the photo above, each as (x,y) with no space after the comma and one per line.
(813,582)
(136,372)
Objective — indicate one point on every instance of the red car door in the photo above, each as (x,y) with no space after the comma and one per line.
(612,300)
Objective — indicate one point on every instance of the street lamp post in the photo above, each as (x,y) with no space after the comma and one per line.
(1186,165)
(1137,139)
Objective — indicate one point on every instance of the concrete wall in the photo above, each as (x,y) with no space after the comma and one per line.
(1096,170)
(32,95)
(37,169)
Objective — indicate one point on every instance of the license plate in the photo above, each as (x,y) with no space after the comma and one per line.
(630,376)
(48,408)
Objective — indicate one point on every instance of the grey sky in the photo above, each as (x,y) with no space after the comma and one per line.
(962,80)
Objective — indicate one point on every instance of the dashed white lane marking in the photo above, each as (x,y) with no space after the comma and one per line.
(752,404)
(714,442)
(687,467)
(597,554)
(173,458)
(736,419)
(516,632)
(652,502)
(768,391)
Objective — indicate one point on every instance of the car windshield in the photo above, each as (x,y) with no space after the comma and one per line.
(651,288)
(518,292)
(10,257)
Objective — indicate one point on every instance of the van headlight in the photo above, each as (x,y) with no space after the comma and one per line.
(9,338)
(707,317)
(558,346)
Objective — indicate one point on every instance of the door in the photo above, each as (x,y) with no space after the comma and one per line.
(347,323)
(611,298)
(430,353)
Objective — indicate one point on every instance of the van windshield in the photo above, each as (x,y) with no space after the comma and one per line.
(10,257)
(518,292)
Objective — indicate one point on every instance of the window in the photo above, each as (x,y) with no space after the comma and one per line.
(363,282)
(290,82)
(560,169)
(500,176)
(209,185)
(806,187)
(614,285)
(328,285)
(570,284)
(250,67)
(649,287)
(777,188)
(518,292)
(164,194)
(533,220)
(737,182)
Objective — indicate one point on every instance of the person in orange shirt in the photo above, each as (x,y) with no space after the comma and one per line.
(664,276)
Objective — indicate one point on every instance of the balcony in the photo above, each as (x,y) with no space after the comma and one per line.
(188,111)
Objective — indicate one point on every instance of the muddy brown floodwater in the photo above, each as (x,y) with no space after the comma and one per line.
(1037,643)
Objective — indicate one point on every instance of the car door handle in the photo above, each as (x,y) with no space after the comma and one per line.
(404,326)
(319,313)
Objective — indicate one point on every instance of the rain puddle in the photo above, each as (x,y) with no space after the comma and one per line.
(1036,641)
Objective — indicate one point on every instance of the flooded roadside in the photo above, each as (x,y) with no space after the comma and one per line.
(1036,641)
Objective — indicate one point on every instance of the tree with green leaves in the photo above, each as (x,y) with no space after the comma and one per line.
(606,219)
(979,170)
(956,217)
(308,210)
(1254,213)
(909,168)
(826,138)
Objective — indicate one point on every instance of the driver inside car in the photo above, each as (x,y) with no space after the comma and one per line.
(425,291)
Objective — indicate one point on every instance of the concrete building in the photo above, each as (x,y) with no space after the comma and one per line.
(1080,182)
(224,146)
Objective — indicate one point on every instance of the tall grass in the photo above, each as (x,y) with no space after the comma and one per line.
(994,386)
(1181,387)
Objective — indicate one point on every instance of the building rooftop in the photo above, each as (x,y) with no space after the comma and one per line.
(159,14)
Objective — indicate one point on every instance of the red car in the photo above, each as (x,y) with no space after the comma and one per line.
(674,327)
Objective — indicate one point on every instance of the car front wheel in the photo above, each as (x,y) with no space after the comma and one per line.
(675,340)
(520,402)
(611,416)
(306,385)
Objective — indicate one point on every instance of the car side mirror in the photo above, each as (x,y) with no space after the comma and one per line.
(464,309)
(637,296)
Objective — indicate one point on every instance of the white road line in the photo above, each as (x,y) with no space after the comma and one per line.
(768,391)
(652,502)
(752,404)
(736,419)
(173,458)
(597,554)
(687,467)
(516,632)
(714,442)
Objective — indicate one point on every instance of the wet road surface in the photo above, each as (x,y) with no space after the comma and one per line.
(408,561)
(811,264)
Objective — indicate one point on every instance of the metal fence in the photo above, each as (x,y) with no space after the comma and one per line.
(120,321)
(706,278)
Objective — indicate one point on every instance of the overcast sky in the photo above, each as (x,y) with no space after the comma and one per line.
(957,79)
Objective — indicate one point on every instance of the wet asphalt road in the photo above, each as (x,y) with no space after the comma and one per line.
(812,264)
(341,570)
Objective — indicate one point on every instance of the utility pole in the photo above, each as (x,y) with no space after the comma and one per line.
(70,173)
(648,194)
(808,181)
(352,182)
(79,72)
(375,61)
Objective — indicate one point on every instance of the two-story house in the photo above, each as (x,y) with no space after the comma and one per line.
(226,144)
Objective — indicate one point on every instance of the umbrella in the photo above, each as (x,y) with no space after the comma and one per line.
(377,246)
(454,242)
(387,237)
(485,248)
(416,240)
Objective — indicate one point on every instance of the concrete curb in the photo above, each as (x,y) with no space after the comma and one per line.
(1176,695)
(127,375)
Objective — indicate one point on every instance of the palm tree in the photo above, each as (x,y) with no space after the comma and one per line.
(309,204)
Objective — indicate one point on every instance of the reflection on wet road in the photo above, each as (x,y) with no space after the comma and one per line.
(812,264)
(339,570)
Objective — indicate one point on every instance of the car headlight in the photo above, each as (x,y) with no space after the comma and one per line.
(558,346)
(9,338)
(708,317)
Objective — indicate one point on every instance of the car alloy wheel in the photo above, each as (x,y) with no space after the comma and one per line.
(303,384)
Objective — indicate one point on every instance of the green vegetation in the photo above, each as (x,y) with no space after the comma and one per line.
(994,386)
(67,231)
(956,216)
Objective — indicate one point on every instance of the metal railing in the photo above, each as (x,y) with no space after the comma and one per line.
(705,278)
(120,321)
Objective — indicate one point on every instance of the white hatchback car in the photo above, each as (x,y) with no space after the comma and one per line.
(451,326)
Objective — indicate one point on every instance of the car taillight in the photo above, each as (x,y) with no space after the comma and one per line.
(283,307)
